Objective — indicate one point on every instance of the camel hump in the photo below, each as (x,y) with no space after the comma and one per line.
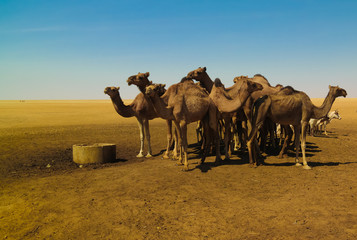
(288,90)
(185,79)
(218,83)
(259,75)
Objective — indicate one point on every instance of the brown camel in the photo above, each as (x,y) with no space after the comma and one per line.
(185,103)
(230,100)
(296,109)
(139,108)
(201,75)
(141,81)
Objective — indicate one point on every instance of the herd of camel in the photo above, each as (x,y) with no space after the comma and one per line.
(252,102)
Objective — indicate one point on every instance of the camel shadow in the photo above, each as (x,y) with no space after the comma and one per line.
(234,161)
(311,164)
(311,148)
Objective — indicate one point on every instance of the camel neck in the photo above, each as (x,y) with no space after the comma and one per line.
(324,109)
(161,107)
(226,105)
(142,89)
(122,109)
(207,82)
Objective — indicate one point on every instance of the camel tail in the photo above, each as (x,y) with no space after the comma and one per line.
(255,108)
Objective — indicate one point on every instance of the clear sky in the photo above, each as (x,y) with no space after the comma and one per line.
(74,49)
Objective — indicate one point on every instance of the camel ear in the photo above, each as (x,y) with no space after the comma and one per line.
(118,88)
(147,74)
(204,69)
(150,82)
(163,85)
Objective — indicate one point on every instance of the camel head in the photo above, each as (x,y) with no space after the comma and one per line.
(253,86)
(195,74)
(239,78)
(334,115)
(140,79)
(337,91)
(112,91)
(153,89)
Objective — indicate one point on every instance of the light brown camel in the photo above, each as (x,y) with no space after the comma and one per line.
(185,103)
(141,81)
(230,100)
(140,109)
(295,109)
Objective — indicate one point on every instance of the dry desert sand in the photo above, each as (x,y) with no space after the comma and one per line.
(44,195)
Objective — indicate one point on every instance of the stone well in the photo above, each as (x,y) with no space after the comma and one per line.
(96,153)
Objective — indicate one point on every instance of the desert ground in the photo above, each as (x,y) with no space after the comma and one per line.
(44,195)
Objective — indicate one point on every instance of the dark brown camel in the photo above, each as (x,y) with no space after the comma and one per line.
(296,109)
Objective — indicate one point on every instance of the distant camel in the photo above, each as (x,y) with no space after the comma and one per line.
(317,124)
(296,109)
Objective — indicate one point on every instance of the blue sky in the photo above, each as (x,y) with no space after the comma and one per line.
(74,49)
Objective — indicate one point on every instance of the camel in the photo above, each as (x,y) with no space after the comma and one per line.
(141,81)
(184,103)
(292,107)
(316,124)
(142,110)
(230,100)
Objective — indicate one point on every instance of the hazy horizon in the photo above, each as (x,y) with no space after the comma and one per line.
(58,50)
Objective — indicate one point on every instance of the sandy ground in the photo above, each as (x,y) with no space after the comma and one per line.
(44,195)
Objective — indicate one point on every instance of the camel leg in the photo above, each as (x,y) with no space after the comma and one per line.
(199,132)
(297,144)
(169,139)
(253,146)
(179,138)
(287,140)
(174,155)
(237,135)
(227,136)
(147,135)
(206,140)
(303,145)
(263,134)
(244,135)
(141,129)
(213,123)
(325,127)
(183,126)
